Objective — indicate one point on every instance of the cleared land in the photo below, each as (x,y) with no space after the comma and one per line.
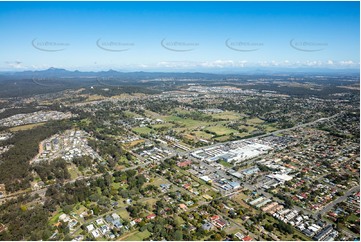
(25,127)
(138,236)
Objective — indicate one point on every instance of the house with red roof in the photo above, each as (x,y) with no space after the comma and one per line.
(184,163)
(187,186)
(151,216)
(138,220)
(183,206)
(220,223)
(247,238)
(215,217)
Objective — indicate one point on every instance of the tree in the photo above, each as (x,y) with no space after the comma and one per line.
(67,209)
(268,227)
(178,235)
(216,237)
(67,238)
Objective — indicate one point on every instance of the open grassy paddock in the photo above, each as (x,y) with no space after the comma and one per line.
(25,127)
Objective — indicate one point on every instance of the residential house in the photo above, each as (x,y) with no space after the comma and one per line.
(151,216)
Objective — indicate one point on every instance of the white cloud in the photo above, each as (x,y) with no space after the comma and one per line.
(15,64)
(347,63)
(202,64)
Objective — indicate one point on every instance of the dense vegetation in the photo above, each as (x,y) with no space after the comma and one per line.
(55,169)
(14,166)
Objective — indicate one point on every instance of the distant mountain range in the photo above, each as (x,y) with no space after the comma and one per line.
(63,73)
(28,83)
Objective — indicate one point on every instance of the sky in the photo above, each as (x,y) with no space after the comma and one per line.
(184,36)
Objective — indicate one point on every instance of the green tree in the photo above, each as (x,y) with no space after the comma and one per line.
(178,235)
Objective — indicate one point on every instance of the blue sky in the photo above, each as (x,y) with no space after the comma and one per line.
(165,36)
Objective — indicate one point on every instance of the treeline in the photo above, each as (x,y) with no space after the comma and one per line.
(114,89)
(12,111)
(15,168)
(196,116)
(325,91)
(98,190)
(162,106)
(56,169)
(83,162)
(110,150)
(29,87)
(24,223)
(135,183)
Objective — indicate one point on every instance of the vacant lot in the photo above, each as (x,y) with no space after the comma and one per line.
(134,143)
(142,130)
(203,135)
(221,130)
(255,121)
(25,127)
(94,98)
(139,236)
(239,198)
(231,116)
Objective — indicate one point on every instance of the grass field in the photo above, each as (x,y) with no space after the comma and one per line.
(55,218)
(132,115)
(157,181)
(225,164)
(150,201)
(239,198)
(270,128)
(151,114)
(80,209)
(123,214)
(134,143)
(231,116)
(221,130)
(248,128)
(191,129)
(254,121)
(142,130)
(74,173)
(241,135)
(94,98)
(139,236)
(352,218)
(232,230)
(203,135)
(25,127)
(222,138)
(186,122)
(161,126)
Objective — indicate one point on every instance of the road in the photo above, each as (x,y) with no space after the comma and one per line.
(42,191)
(240,226)
(213,169)
(267,134)
(98,217)
(329,206)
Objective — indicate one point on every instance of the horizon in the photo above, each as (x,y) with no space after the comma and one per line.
(247,71)
(184,37)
